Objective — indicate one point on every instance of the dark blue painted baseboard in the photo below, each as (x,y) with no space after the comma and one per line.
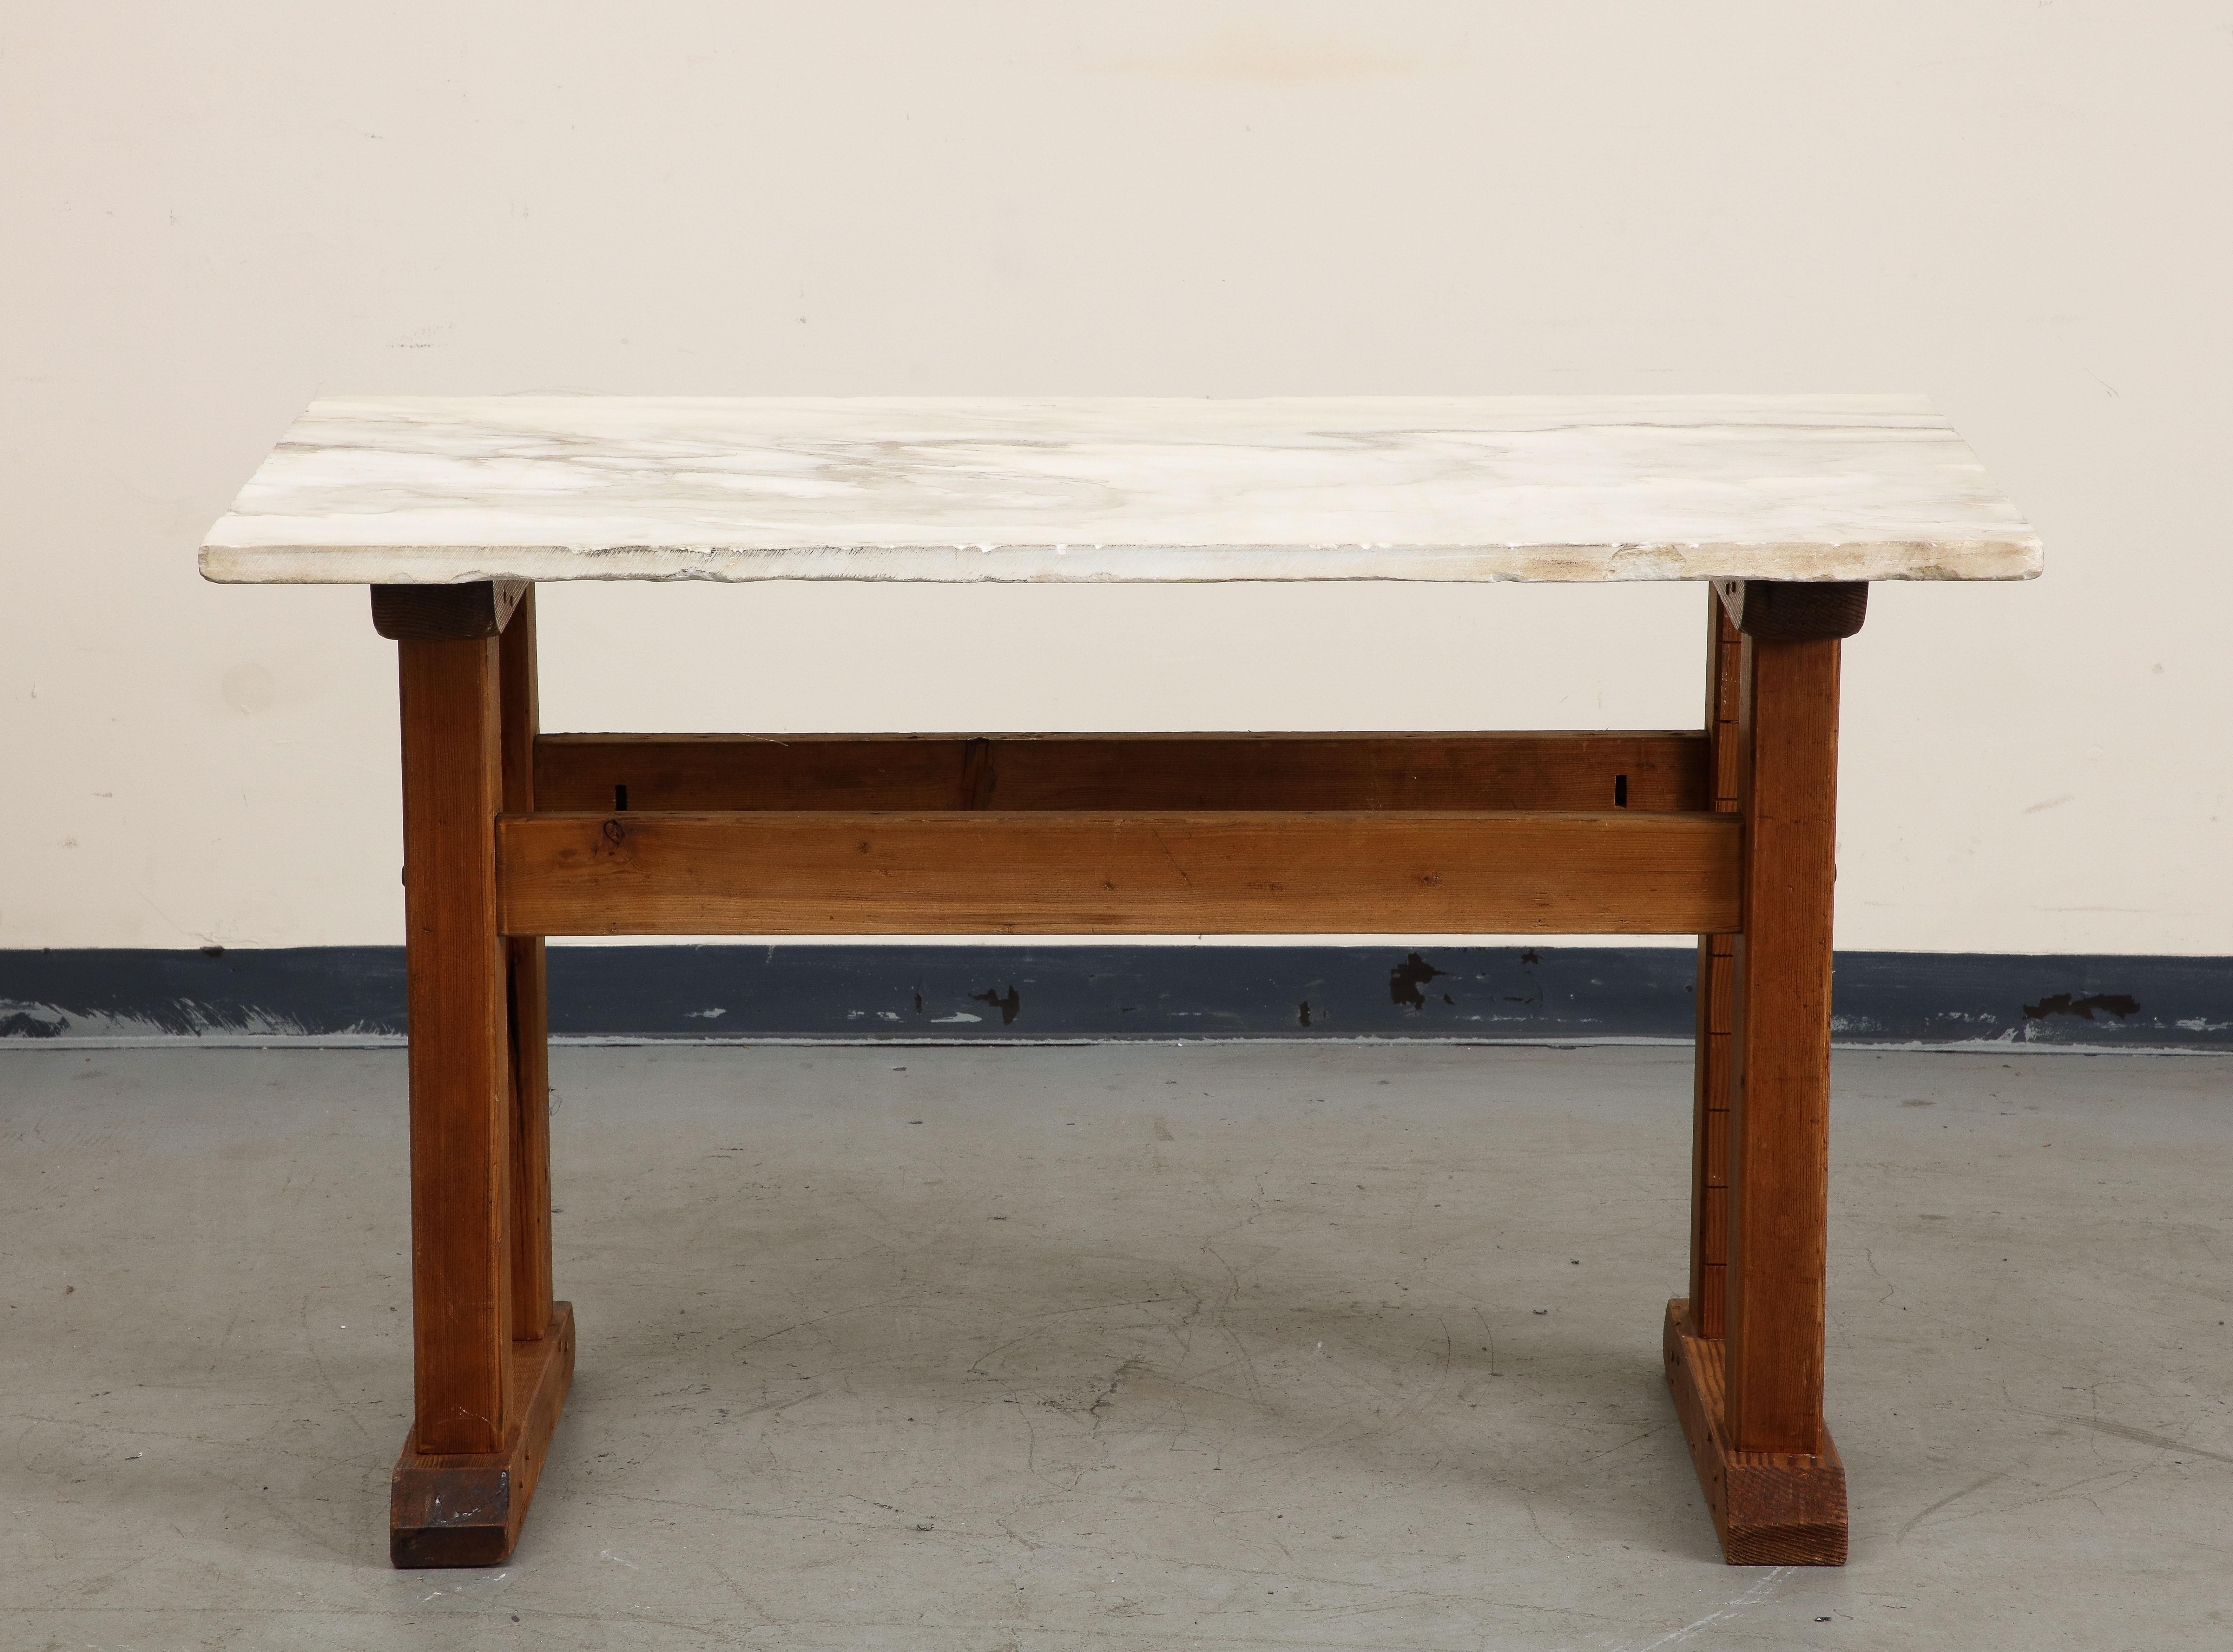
(851,993)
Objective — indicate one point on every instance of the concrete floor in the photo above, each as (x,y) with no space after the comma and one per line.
(1133,1347)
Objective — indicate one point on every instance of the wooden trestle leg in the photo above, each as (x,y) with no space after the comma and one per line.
(1745,1350)
(493,1353)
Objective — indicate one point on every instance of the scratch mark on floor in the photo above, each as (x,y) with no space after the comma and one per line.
(1954,1496)
(1754,1596)
(2139,1436)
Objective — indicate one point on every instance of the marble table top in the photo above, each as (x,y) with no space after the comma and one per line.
(421,489)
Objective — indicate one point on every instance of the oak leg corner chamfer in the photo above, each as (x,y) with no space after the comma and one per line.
(1770,1508)
(465,1508)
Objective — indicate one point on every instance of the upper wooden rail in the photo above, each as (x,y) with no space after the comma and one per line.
(835,873)
(1653,772)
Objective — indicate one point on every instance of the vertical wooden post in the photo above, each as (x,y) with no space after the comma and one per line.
(529,1045)
(1744,1351)
(495,1354)
(1779,1043)
(1709,1154)
(460,1066)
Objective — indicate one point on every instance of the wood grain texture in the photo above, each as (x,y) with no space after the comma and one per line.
(1715,983)
(1663,771)
(1770,1508)
(1780,1044)
(528,1241)
(461,1077)
(1786,611)
(446,613)
(465,1508)
(968,873)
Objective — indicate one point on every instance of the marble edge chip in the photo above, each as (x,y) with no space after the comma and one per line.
(2014,555)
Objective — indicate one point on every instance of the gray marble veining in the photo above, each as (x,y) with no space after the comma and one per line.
(441,489)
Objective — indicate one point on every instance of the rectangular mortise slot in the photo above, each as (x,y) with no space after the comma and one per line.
(1620,791)
(620,798)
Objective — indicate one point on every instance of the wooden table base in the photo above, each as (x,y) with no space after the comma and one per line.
(511,836)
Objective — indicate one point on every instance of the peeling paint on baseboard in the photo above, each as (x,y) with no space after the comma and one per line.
(915,993)
(2123,1005)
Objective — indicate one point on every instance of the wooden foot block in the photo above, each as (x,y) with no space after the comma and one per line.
(464,1508)
(1770,1508)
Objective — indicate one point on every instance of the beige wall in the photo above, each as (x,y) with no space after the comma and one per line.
(219,210)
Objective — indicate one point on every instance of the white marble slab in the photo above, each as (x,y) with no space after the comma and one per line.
(442,490)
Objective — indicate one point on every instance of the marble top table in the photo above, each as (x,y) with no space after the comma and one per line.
(417,490)
(452,509)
